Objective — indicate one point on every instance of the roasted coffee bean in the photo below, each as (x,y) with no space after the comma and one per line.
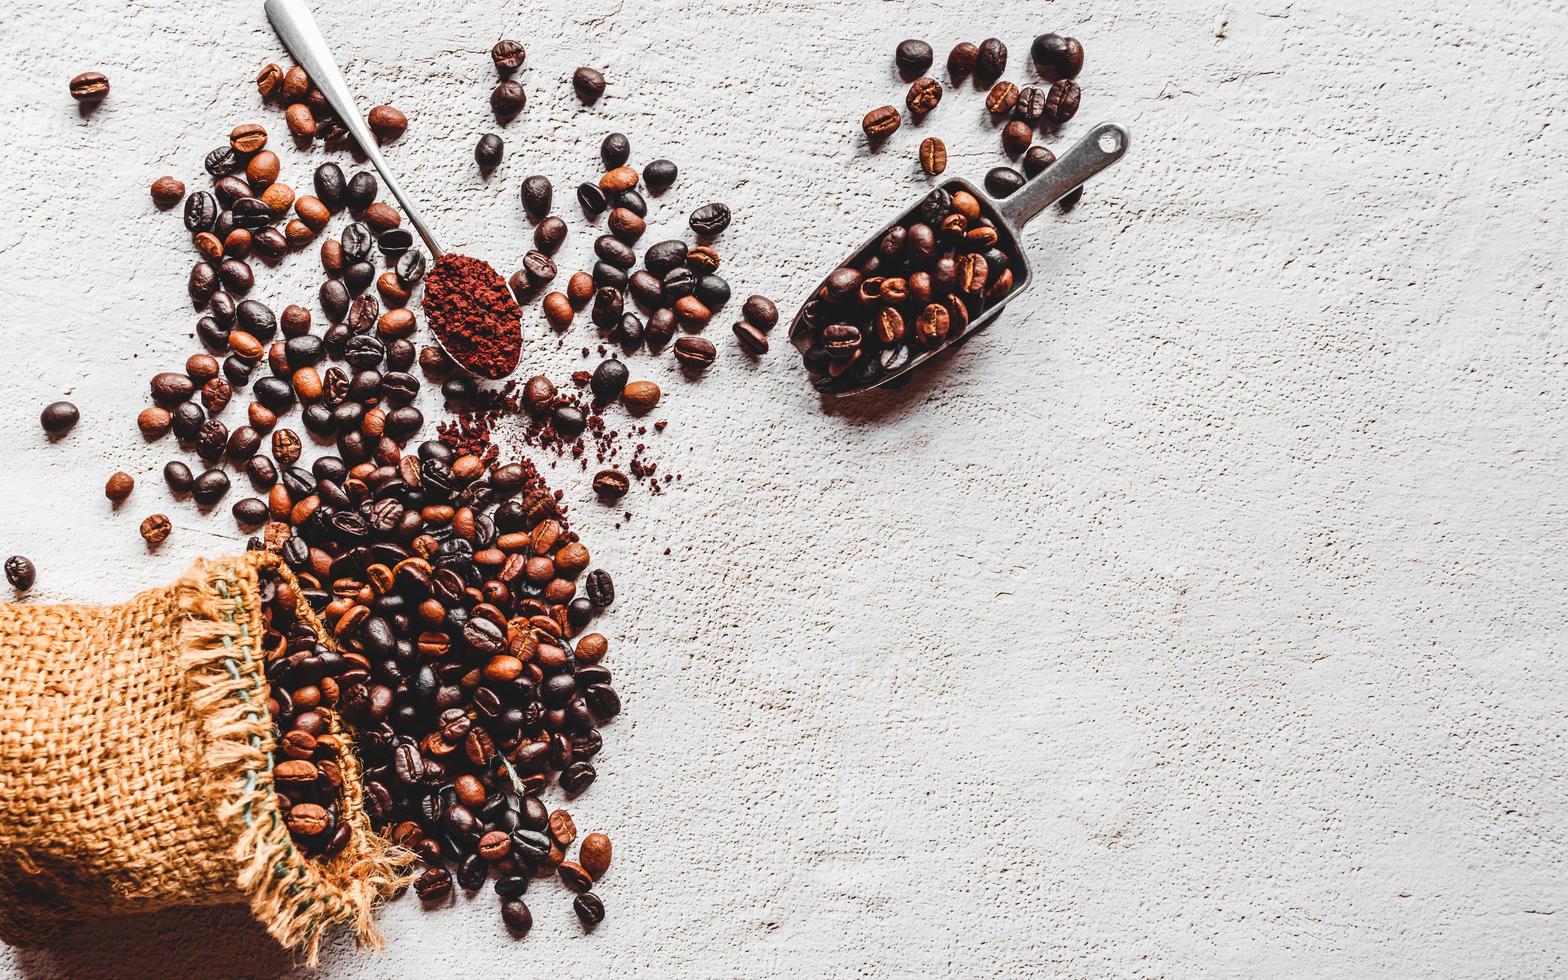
(508,56)
(1002,182)
(588,83)
(1001,99)
(19,571)
(594,855)
(615,150)
(361,191)
(411,267)
(1031,105)
(386,122)
(608,379)
(1061,103)
(568,422)
(356,241)
(702,259)
(155,529)
(393,243)
(488,151)
(515,914)
(58,418)
(923,96)
(760,312)
(614,251)
(659,175)
(591,198)
(507,99)
(335,299)
(1036,160)
(119,486)
(694,353)
(223,161)
(913,58)
(1056,57)
(601,589)
(610,485)
(577,777)
(751,338)
(236,276)
(1016,136)
(331,186)
(549,235)
(537,194)
(608,306)
(881,122)
(167,192)
(202,282)
(432,886)
(201,212)
(961,60)
(249,512)
(539,394)
(933,156)
(631,201)
(90,87)
(589,909)
(990,61)
(663,257)
(538,268)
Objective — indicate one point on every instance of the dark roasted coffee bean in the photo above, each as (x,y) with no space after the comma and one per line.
(646,288)
(608,379)
(760,312)
(1056,57)
(435,884)
(588,83)
(1002,182)
(224,161)
(186,420)
(210,487)
(751,338)
(538,267)
(361,191)
(507,55)
(251,213)
(169,388)
(262,472)
(601,588)
(615,150)
(1016,136)
(589,909)
(631,201)
(607,276)
(607,307)
(507,99)
(537,195)
(568,421)
(394,242)
(90,87)
(660,258)
(19,571)
(202,282)
(610,485)
(990,61)
(591,198)
(659,176)
(1037,159)
(549,234)
(356,241)
(488,151)
(236,276)
(713,291)
(249,512)
(679,283)
(710,219)
(913,58)
(629,332)
(257,319)
(335,299)
(577,777)
(201,212)
(961,60)
(515,914)
(1061,103)
(411,267)
(330,185)
(1031,105)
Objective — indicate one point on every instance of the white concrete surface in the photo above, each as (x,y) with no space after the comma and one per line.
(1201,620)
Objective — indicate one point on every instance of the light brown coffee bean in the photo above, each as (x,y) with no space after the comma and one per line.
(594,854)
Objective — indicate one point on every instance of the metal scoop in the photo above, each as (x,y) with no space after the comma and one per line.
(297,28)
(1103,146)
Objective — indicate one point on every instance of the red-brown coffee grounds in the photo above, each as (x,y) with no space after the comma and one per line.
(474,313)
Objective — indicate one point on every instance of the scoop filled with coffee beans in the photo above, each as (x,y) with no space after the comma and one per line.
(934,276)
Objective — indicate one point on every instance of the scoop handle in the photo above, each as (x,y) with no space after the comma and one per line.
(1103,146)
(295,25)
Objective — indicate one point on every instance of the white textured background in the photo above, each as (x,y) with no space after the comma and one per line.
(1202,619)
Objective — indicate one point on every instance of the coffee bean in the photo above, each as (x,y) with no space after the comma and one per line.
(760,312)
(881,122)
(167,192)
(58,418)
(626,225)
(913,57)
(589,909)
(588,83)
(514,913)
(640,396)
(694,353)
(432,886)
(508,56)
(631,201)
(1036,160)
(1061,103)
(751,338)
(594,855)
(178,477)
(568,422)
(1056,57)
(1031,105)
(713,291)
(591,198)
(990,61)
(659,175)
(1001,182)
(1001,99)
(933,156)
(610,485)
(488,151)
(1016,136)
(557,309)
(247,138)
(387,123)
(202,282)
(538,268)
(961,60)
(609,378)
(119,486)
(665,256)
(155,530)
(537,194)
(361,190)
(615,150)
(90,87)
(710,219)
(201,212)
(507,99)
(331,187)
(19,571)
(923,96)
(411,267)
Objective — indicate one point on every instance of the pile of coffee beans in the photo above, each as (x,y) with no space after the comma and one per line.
(308,116)
(1021,111)
(909,293)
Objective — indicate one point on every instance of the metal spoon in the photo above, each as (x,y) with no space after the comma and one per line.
(1103,146)
(297,28)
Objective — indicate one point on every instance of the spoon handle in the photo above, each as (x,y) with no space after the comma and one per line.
(294,24)
(1103,146)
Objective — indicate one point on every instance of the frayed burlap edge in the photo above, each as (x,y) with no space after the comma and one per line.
(297,900)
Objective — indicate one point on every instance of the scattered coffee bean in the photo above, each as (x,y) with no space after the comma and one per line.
(913,58)
(933,156)
(589,909)
(488,151)
(19,571)
(694,353)
(1001,99)
(608,380)
(119,486)
(923,96)
(710,219)
(659,175)
(507,99)
(881,122)
(90,87)
(588,83)
(1037,159)
(155,529)
(594,853)
(1056,57)
(990,61)
(591,197)
(1002,182)
(58,418)
(961,60)
(610,485)
(1016,136)
(1061,103)
(167,192)
(515,914)
(387,123)
(751,338)
(508,56)
(615,150)
(537,195)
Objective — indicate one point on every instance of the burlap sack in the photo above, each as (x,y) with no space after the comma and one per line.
(136,770)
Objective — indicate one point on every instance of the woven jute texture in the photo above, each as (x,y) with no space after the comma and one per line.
(136,770)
